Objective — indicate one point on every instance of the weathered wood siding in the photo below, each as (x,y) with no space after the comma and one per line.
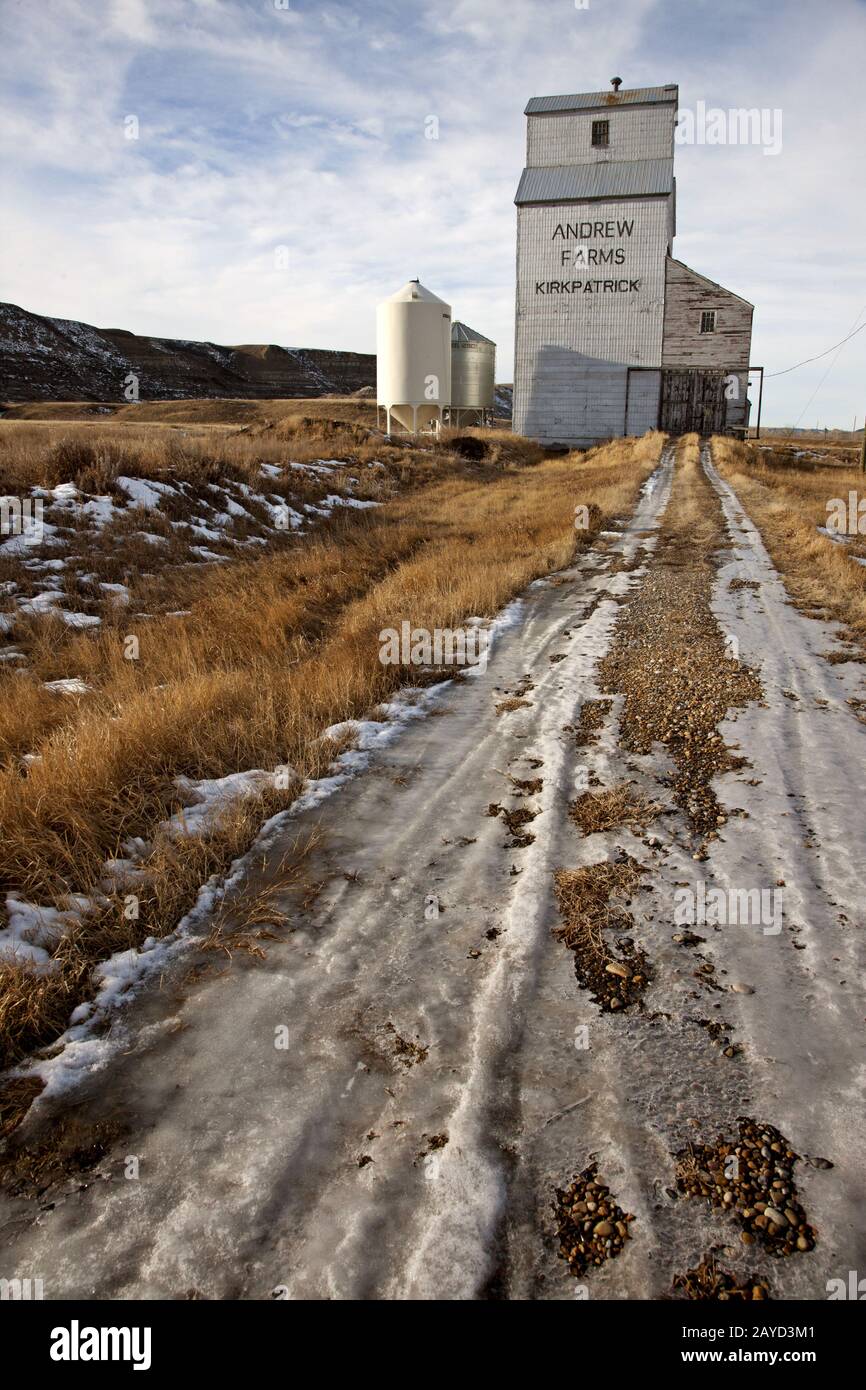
(636,132)
(693,400)
(687,296)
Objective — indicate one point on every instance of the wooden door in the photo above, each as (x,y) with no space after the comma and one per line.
(693,400)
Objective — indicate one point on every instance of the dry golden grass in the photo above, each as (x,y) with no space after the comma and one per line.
(175,441)
(91,454)
(607,810)
(689,497)
(202,411)
(273,651)
(594,900)
(787,500)
(69,1148)
(148,550)
(252,912)
(512,703)
(17,1094)
(835,447)
(35,1007)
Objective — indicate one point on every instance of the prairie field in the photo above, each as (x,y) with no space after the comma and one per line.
(197,662)
(400,929)
(787,489)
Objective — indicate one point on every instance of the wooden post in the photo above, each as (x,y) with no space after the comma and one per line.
(760,398)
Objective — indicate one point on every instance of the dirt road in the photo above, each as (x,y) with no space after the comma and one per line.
(387,1105)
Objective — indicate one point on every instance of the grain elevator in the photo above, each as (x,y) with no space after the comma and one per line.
(613,335)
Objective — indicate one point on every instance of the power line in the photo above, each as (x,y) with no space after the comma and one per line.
(832,364)
(821,354)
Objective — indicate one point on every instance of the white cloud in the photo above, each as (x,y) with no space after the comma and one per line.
(305,128)
(133,20)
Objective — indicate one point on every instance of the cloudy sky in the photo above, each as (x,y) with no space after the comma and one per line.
(283,179)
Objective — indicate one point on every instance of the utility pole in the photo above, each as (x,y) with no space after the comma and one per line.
(863,450)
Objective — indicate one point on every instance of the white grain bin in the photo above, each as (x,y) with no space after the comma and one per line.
(413,358)
(473,373)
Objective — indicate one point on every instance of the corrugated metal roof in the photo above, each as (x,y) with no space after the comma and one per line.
(583,101)
(611,179)
(462,333)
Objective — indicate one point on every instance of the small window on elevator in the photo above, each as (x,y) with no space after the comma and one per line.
(708,321)
(601,134)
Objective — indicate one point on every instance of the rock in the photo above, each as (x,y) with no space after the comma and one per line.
(613,967)
(77,361)
(740,988)
(602,1228)
(775,1216)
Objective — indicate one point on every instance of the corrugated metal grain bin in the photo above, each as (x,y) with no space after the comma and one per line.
(473,373)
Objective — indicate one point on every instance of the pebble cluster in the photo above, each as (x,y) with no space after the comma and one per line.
(753,1179)
(591,1227)
(670,661)
(707,1280)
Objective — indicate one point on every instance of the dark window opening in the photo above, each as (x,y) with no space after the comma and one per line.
(708,321)
(601,133)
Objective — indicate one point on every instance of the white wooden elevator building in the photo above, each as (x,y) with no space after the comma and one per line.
(613,335)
